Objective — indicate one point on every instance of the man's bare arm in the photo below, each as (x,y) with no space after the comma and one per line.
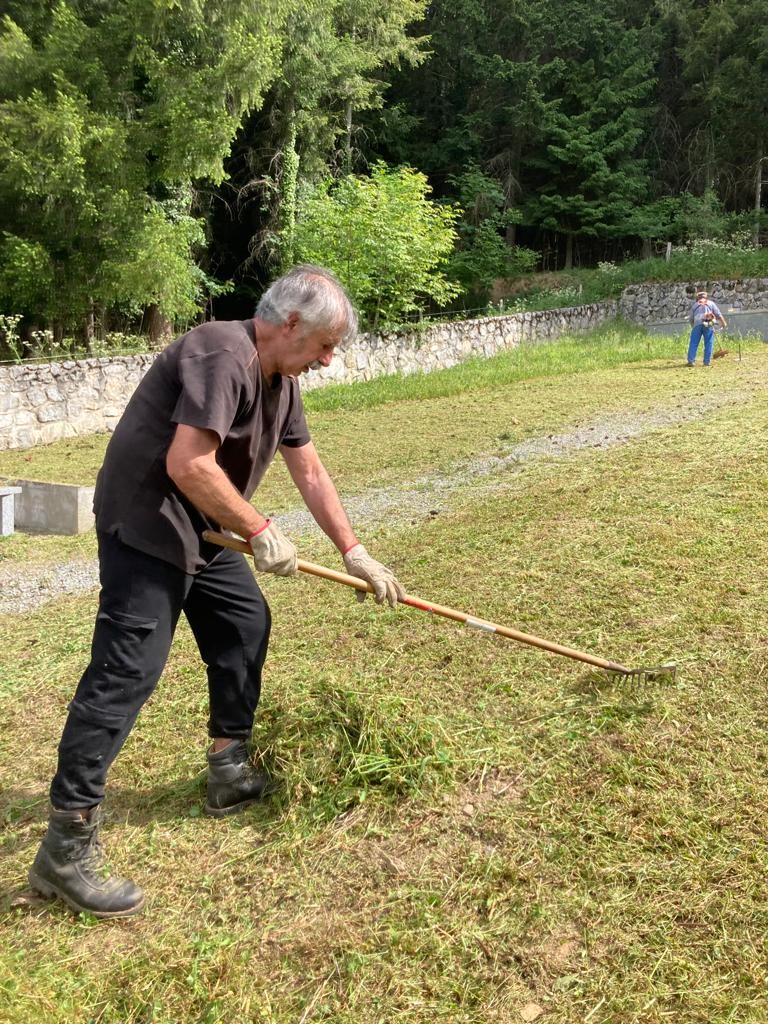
(191,464)
(319,494)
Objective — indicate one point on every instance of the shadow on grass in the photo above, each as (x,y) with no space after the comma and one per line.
(173,802)
(599,683)
(24,815)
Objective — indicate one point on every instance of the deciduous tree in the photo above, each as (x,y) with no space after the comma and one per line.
(383,236)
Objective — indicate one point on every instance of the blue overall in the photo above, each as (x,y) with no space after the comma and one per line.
(707,331)
(699,310)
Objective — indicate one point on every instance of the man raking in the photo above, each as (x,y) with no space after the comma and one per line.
(188,453)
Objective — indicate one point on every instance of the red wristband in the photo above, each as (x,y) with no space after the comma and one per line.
(261,529)
(347,550)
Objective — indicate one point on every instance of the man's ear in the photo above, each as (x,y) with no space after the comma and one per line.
(293,320)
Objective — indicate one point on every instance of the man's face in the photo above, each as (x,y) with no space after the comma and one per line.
(304,349)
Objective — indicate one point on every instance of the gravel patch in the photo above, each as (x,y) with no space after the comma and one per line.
(25,588)
(28,587)
(422,496)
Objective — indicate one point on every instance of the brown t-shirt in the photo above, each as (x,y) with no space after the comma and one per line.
(209,378)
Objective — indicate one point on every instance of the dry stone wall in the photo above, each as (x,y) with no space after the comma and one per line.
(655,303)
(446,344)
(47,401)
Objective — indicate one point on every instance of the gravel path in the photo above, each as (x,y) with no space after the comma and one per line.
(22,589)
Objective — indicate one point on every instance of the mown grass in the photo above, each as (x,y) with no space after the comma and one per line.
(394,438)
(467,830)
(397,429)
(77,460)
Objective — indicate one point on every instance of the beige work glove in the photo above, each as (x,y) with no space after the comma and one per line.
(385,587)
(272,551)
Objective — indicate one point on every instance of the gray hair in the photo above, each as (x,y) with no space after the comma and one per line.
(316,294)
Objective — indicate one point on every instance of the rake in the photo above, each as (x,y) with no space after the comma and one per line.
(483,625)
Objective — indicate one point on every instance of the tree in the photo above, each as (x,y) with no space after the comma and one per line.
(483,253)
(384,238)
(555,102)
(591,171)
(108,114)
(479,98)
(331,69)
(724,61)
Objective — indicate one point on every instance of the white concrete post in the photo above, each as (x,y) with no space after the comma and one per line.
(6,509)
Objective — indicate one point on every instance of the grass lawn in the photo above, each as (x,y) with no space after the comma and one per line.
(466,830)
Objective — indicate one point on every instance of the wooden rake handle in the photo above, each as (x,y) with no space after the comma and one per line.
(427,606)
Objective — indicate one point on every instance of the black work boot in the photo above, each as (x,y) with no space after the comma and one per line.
(233,782)
(69,865)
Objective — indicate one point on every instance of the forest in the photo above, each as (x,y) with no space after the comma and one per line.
(160,161)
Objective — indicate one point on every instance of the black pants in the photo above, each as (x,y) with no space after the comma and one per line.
(139,606)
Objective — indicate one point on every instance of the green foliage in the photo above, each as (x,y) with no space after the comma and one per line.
(479,99)
(700,217)
(610,127)
(488,256)
(706,259)
(596,121)
(26,273)
(723,57)
(384,238)
(105,113)
(483,253)
(159,270)
(331,71)
(592,174)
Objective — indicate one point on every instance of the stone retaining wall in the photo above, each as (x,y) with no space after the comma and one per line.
(43,402)
(651,303)
(47,401)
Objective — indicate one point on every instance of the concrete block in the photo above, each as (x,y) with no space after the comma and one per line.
(7,495)
(52,508)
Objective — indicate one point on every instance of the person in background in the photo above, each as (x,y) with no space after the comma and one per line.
(703,316)
(188,453)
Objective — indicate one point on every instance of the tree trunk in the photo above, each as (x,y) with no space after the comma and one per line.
(89,329)
(568,252)
(158,326)
(758,194)
(348,142)
(647,251)
(100,321)
(348,123)
(289,181)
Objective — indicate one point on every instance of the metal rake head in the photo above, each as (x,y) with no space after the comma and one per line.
(647,672)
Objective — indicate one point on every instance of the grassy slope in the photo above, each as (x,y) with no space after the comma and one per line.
(467,828)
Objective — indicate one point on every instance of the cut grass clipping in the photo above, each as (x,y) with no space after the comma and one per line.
(465,830)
